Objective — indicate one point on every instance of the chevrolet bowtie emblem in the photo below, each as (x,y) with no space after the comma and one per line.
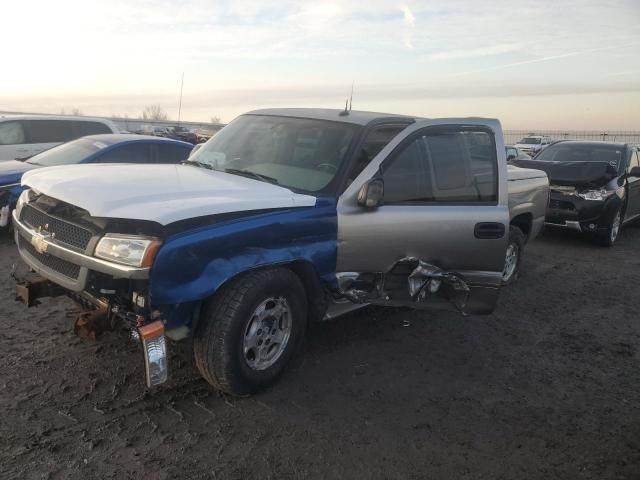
(38,240)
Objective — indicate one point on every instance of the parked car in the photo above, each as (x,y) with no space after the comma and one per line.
(160,132)
(284,217)
(533,144)
(595,186)
(202,135)
(183,133)
(110,148)
(514,153)
(22,136)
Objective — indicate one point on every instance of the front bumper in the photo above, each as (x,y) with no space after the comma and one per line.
(575,213)
(43,254)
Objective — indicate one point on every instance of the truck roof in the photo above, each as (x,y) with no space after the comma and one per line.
(331,114)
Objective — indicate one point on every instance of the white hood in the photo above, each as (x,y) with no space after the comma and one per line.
(159,193)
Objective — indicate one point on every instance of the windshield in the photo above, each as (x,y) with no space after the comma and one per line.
(530,140)
(571,152)
(67,153)
(302,154)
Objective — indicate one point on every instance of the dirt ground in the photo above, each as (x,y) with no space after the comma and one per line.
(547,387)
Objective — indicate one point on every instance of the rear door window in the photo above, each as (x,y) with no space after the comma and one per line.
(167,153)
(50,131)
(128,153)
(12,133)
(83,128)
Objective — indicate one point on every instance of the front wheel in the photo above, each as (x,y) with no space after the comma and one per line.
(250,329)
(609,237)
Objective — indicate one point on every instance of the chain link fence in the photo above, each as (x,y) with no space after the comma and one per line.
(512,136)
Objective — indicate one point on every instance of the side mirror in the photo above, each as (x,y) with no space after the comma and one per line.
(634,172)
(371,193)
(510,157)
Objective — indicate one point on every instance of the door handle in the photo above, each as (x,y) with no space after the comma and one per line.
(486,230)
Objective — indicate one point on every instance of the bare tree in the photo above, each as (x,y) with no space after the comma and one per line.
(74,111)
(154,112)
(215,119)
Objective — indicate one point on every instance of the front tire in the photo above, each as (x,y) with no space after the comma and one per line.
(250,329)
(609,237)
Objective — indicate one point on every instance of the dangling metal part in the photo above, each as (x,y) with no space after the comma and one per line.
(409,280)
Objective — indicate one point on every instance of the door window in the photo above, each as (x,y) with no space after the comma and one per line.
(376,140)
(11,133)
(443,165)
(171,153)
(83,129)
(50,131)
(128,153)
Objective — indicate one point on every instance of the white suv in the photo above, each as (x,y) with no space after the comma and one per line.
(533,144)
(22,136)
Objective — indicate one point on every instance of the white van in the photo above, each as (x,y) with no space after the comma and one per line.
(22,136)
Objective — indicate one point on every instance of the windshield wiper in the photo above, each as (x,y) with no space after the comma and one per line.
(195,163)
(250,174)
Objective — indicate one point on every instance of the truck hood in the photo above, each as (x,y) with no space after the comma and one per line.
(528,146)
(11,171)
(577,174)
(159,193)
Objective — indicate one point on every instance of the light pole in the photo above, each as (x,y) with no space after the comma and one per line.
(180,103)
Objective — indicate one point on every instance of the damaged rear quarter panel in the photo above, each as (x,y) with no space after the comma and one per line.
(192,265)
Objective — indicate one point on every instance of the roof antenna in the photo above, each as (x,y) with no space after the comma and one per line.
(348,103)
(345,112)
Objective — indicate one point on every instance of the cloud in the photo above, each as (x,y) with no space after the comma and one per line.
(552,57)
(476,52)
(409,21)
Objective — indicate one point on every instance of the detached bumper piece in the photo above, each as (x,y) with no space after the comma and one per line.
(33,287)
(154,346)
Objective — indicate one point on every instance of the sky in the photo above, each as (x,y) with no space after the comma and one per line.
(562,64)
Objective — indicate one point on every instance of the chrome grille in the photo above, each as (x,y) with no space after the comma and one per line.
(56,264)
(65,232)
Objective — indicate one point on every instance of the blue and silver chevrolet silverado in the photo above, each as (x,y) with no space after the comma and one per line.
(285,217)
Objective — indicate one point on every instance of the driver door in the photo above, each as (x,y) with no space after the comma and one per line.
(439,235)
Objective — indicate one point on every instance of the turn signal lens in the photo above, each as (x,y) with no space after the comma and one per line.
(155,353)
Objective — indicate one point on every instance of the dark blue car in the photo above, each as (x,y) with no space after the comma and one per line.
(108,148)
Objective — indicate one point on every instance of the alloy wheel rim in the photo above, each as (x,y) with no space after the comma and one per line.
(511,262)
(267,333)
(615,228)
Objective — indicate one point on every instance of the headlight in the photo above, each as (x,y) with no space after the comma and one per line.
(134,251)
(596,194)
(25,197)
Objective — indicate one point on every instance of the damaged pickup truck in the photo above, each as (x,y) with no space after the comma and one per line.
(284,217)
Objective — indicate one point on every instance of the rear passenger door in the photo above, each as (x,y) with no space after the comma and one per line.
(441,231)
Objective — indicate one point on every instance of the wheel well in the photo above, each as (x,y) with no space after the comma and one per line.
(524,222)
(317,297)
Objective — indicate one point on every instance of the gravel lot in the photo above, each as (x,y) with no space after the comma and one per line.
(547,387)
